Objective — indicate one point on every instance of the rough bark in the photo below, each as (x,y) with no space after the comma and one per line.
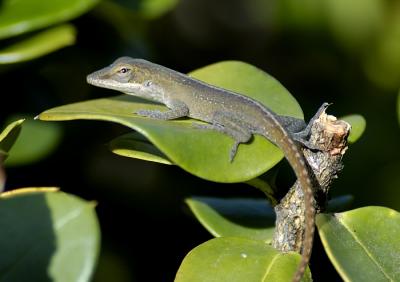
(330,135)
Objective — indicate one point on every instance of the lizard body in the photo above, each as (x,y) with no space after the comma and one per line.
(225,111)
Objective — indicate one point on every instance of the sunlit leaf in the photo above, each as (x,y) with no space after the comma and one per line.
(47,236)
(38,44)
(20,16)
(203,153)
(36,141)
(230,259)
(363,244)
(134,145)
(8,137)
(358,125)
(248,218)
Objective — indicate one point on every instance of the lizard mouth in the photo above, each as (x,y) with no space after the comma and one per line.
(91,79)
(101,80)
(96,79)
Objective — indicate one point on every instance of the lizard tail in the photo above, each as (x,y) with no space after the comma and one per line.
(302,172)
(299,165)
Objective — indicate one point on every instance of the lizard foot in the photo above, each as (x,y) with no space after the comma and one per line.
(148,113)
(302,136)
(233,151)
(307,144)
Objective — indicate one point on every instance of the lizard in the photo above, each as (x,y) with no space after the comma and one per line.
(225,111)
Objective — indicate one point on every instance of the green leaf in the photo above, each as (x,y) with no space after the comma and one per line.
(248,218)
(155,8)
(204,153)
(8,137)
(358,125)
(134,145)
(36,141)
(149,8)
(233,259)
(264,187)
(253,82)
(242,217)
(20,16)
(39,44)
(47,236)
(363,244)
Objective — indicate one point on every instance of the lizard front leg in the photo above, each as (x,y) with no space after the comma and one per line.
(176,110)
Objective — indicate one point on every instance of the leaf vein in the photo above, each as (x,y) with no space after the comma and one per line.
(358,240)
(269,268)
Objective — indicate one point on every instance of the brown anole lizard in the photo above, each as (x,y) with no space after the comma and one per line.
(225,111)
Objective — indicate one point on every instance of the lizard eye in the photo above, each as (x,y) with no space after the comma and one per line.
(124,70)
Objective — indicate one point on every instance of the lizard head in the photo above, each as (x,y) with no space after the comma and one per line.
(128,75)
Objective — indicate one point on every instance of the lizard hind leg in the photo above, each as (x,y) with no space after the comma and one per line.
(239,136)
(225,123)
(303,136)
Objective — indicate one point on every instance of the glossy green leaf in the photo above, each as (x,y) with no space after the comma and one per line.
(363,244)
(47,236)
(233,259)
(203,153)
(248,218)
(39,44)
(36,141)
(134,145)
(20,16)
(358,125)
(8,137)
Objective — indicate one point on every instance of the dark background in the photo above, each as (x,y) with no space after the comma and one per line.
(346,55)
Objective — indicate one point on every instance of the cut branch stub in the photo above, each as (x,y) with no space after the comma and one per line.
(330,135)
